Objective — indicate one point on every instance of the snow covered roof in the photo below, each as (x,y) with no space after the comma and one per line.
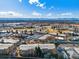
(73,51)
(10,40)
(61,34)
(61,38)
(45,36)
(77,50)
(32,46)
(5,46)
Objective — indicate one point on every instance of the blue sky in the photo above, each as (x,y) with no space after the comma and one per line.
(39,8)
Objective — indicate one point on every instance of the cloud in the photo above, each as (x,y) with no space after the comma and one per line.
(41,5)
(37,3)
(20,0)
(36,13)
(66,14)
(33,1)
(49,14)
(10,14)
(51,7)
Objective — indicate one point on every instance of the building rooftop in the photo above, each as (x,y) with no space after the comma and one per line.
(73,52)
(5,46)
(8,40)
(35,36)
(77,50)
(32,46)
(44,36)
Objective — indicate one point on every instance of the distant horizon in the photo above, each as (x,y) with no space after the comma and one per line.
(39,18)
(42,18)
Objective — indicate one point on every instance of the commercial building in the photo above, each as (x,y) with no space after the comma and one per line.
(8,40)
(29,48)
(73,52)
(5,48)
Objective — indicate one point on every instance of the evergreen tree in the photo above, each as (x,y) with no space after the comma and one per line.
(38,52)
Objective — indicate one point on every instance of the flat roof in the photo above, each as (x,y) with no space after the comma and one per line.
(73,51)
(35,36)
(32,46)
(44,36)
(10,40)
(5,46)
(77,50)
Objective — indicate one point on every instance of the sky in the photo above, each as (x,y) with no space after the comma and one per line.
(39,8)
